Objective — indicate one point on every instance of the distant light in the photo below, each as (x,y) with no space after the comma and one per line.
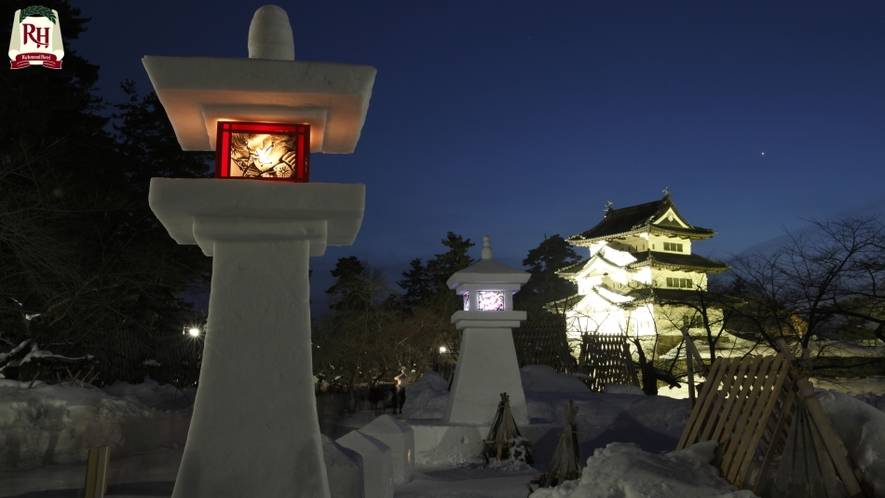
(194,332)
(443,350)
(763,153)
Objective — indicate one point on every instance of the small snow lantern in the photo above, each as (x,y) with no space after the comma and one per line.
(487,285)
(263,151)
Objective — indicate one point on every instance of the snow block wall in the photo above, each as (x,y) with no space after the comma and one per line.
(344,467)
(440,444)
(52,424)
(401,440)
(377,463)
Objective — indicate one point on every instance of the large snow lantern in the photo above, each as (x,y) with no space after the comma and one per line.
(487,364)
(263,151)
(488,285)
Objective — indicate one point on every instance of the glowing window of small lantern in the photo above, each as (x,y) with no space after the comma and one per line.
(487,300)
(490,300)
(263,151)
(487,285)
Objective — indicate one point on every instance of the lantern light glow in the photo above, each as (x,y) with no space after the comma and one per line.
(490,301)
(263,151)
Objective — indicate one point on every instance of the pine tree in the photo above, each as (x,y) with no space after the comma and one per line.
(425,285)
(417,285)
(84,259)
(545,286)
(348,292)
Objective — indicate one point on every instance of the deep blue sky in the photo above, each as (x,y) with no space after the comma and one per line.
(518,119)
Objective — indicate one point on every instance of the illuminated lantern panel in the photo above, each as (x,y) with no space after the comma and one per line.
(490,301)
(466,302)
(263,151)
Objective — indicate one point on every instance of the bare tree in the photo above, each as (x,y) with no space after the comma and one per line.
(366,337)
(833,270)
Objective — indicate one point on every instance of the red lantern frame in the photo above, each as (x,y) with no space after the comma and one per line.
(251,151)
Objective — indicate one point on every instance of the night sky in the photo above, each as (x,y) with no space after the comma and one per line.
(522,119)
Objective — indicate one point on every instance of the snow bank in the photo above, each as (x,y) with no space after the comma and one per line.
(426,398)
(623,470)
(544,379)
(862,429)
(151,394)
(653,422)
(58,424)
(547,392)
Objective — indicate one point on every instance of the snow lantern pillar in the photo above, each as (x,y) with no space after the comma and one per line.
(487,364)
(254,430)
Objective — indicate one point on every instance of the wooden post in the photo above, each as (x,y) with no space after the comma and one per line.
(97,471)
(689,363)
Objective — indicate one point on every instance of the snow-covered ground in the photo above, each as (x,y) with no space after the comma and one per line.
(627,441)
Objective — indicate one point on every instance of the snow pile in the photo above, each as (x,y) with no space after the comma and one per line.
(58,424)
(623,470)
(151,394)
(544,379)
(519,452)
(862,429)
(654,422)
(426,397)
(877,402)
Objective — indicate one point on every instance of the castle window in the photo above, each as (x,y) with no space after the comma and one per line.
(679,283)
(673,246)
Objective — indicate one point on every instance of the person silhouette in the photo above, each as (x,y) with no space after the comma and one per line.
(402,381)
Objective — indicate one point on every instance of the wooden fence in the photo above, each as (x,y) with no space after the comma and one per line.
(606,359)
(774,437)
(543,342)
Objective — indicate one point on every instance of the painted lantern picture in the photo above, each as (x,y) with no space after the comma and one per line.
(263,151)
(490,301)
(486,301)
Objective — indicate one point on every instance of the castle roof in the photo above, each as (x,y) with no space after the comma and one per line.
(674,261)
(657,217)
(637,296)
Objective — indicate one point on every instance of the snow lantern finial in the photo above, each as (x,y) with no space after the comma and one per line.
(487,252)
(270,35)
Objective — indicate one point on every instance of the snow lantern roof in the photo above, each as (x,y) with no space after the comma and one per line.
(487,274)
(269,86)
(385,424)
